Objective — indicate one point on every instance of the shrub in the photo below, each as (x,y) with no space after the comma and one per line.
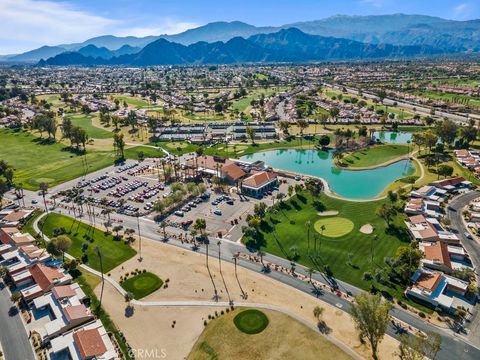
(422,314)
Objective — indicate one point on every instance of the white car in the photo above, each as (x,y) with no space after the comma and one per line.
(217,212)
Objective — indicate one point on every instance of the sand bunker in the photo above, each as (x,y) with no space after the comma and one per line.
(366,229)
(328,213)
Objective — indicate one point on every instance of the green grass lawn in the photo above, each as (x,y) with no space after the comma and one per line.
(148,152)
(283,338)
(334,226)
(448,97)
(284,233)
(142,284)
(238,150)
(113,252)
(242,104)
(133,101)
(85,122)
(375,155)
(251,321)
(36,160)
(176,147)
(205,117)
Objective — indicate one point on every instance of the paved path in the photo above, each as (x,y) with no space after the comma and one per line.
(13,336)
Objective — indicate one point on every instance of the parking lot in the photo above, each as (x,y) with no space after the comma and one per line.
(128,189)
(134,187)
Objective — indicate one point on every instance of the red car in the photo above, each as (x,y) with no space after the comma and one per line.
(187,223)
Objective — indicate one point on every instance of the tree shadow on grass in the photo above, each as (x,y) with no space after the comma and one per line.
(44,141)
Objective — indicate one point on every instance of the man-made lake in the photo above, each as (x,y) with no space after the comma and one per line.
(353,184)
(393,137)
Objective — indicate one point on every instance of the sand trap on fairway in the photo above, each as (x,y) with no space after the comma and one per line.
(366,229)
(328,213)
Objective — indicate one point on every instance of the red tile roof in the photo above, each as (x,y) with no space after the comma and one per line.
(89,343)
(75,312)
(428,281)
(258,179)
(45,276)
(64,291)
(233,171)
(439,253)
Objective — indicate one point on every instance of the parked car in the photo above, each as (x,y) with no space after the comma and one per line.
(179,213)
(468,235)
(217,212)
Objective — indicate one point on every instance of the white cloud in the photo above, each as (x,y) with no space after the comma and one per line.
(28,23)
(462,11)
(165,26)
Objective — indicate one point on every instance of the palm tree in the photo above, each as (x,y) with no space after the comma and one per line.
(103,280)
(308,224)
(261,254)
(219,243)
(215,295)
(311,271)
(163,225)
(44,188)
(235,258)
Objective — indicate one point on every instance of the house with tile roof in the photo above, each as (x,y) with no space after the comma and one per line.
(19,259)
(14,237)
(444,257)
(439,290)
(40,279)
(91,341)
(65,308)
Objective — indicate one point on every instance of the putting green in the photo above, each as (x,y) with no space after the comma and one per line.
(251,321)
(334,226)
(142,285)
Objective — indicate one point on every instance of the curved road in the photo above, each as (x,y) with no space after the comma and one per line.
(454,213)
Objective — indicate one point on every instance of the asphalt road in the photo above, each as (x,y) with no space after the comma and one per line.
(13,336)
(457,225)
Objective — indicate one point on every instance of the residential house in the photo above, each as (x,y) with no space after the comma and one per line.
(88,342)
(66,310)
(14,237)
(40,279)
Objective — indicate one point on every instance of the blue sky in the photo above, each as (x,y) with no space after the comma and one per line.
(26,24)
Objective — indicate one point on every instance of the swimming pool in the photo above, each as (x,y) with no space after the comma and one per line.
(353,184)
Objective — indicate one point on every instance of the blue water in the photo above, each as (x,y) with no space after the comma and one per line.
(353,184)
(54,263)
(393,137)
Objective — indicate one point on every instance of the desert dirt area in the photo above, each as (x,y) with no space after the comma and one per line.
(150,327)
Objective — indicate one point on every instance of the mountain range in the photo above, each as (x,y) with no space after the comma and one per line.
(286,45)
(447,36)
